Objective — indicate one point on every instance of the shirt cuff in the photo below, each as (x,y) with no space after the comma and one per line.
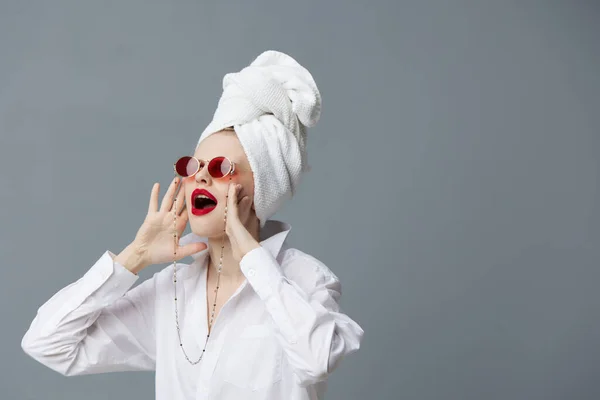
(107,280)
(262,271)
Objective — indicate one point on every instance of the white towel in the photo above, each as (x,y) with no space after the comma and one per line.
(270,103)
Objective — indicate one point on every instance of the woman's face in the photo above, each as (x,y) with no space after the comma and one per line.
(223,143)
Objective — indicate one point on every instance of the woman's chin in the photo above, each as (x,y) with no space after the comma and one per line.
(208,226)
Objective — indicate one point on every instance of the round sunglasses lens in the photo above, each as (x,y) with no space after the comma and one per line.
(186,166)
(219,167)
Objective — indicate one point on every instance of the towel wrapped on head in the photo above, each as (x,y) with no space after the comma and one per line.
(270,103)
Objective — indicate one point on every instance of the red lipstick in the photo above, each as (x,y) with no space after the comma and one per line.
(205,209)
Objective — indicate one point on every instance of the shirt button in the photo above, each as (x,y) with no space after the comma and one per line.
(251,272)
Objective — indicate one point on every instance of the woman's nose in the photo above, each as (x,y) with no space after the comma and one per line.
(203,176)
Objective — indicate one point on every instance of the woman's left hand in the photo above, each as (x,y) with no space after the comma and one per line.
(238,210)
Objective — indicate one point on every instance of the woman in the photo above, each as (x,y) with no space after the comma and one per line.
(251,317)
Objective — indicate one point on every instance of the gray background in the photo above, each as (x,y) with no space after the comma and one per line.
(454,188)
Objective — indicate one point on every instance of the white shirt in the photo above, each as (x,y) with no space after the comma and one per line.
(278,337)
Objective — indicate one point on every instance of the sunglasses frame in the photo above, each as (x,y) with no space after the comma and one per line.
(206,164)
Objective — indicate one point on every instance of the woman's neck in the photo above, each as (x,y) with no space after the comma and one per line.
(230,270)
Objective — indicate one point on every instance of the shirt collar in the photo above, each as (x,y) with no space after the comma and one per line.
(272,237)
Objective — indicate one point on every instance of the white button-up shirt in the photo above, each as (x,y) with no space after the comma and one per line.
(278,336)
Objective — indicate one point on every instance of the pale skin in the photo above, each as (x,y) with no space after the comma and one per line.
(153,243)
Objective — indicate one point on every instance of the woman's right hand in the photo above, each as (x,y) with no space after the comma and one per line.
(154,241)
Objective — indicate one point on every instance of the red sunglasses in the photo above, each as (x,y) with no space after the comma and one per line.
(218,167)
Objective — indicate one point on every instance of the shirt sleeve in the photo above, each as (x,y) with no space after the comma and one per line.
(96,324)
(313,332)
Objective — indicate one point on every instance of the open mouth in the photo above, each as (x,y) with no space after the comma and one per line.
(203,202)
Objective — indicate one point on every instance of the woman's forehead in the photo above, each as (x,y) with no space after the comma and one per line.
(224,143)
